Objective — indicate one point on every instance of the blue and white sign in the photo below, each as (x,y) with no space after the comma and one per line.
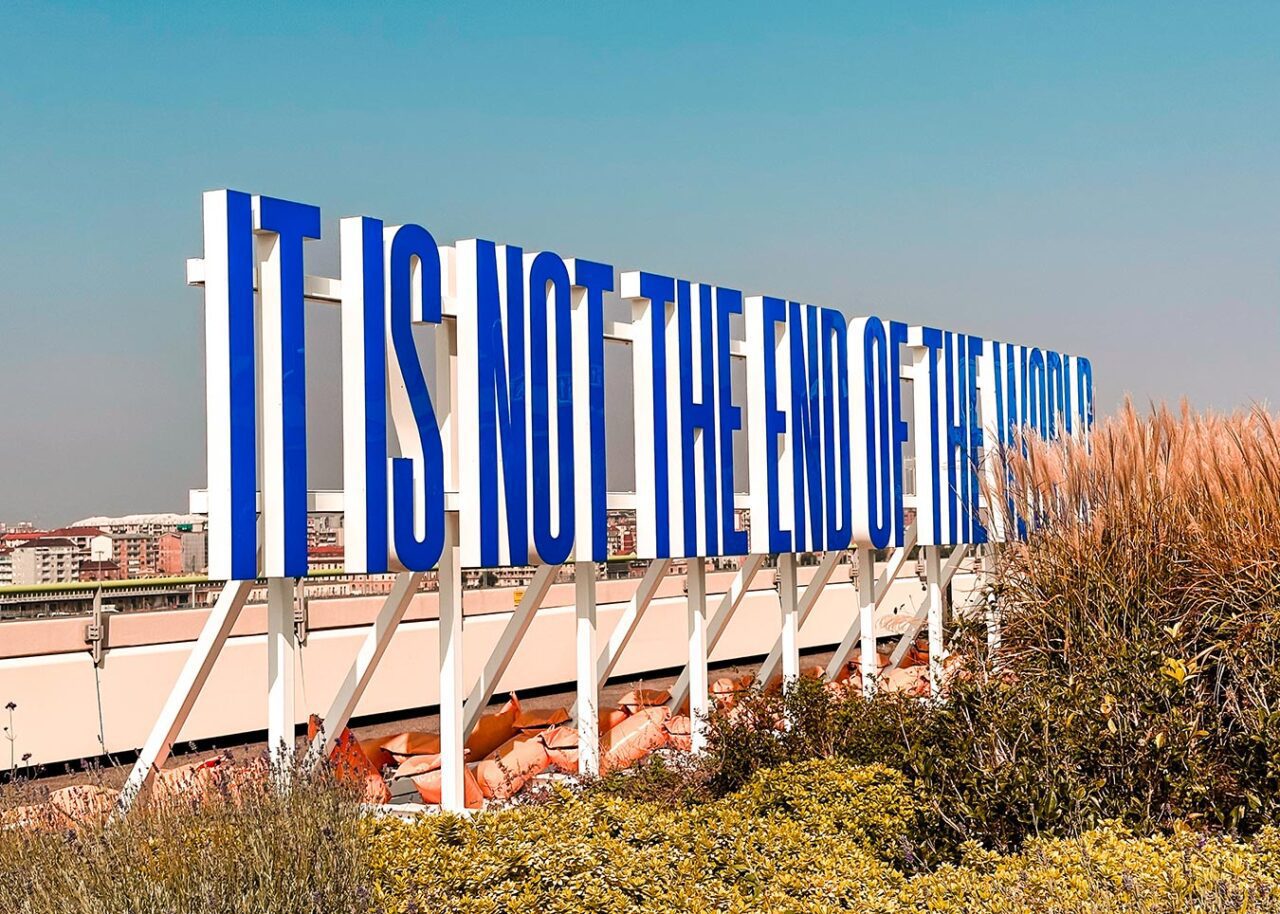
(840,415)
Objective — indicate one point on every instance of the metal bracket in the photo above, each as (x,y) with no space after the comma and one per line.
(300,610)
(96,631)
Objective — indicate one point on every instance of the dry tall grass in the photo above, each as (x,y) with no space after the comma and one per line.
(1150,584)
(1138,678)
(249,850)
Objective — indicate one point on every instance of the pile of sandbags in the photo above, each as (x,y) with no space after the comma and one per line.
(72,807)
(512,746)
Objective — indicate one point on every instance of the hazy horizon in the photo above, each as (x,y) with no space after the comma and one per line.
(1102,179)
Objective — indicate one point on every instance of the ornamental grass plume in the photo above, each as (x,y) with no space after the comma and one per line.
(1146,600)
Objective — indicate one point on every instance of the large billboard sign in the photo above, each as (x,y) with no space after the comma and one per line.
(835,410)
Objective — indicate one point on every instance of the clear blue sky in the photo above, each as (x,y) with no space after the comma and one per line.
(1104,178)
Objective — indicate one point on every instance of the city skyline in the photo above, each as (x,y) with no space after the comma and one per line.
(878,162)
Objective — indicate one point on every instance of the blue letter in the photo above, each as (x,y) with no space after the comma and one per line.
(501,404)
(728,302)
(413,241)
(548,274)
(292,223)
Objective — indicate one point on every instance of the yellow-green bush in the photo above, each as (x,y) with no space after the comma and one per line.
(814,837)
(1107,870)
(810,835)
(818,836)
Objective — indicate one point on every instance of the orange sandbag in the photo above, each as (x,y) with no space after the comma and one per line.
(194,780)
(633,739)
(728,689)
(541,719)
(378,757)
(726,685)
(610,718)
(236,778)
(350,764)
(562,748)
(812,671)
(406,745)
(911,680)
(882,658)
(644,698)
(510,768)
(429,788)
(84,803)
(916,655)
(418,764)
(492,730)
(680,730)
(39,816)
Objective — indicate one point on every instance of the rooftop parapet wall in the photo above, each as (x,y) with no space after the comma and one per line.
(49,674)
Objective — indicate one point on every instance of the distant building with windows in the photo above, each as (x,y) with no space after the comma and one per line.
(45,560)
(35,557)
(156,545)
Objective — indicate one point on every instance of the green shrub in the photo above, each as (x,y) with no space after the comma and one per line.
(819,832)
(814,837)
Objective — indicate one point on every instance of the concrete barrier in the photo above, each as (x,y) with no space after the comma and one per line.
(61,698)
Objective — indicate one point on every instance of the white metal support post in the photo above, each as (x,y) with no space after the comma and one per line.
(790,637)
(808,599)
(867,602)
(632,613)
(630,618)
(882,585)
(719,621)
(699,691)
(182,697)
(507,645)
(988,561)
(452,761)
(936,588)
(367,658)
(922,614)
(282,660)
(587,708)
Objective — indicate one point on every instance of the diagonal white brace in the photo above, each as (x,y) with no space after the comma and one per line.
(366,661)
(808,600)
(729,604)
(632,613)
(505,649)
(922,612)
(185,691)
(630,617)
(883,583)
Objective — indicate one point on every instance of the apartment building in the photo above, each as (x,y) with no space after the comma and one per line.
(46,560)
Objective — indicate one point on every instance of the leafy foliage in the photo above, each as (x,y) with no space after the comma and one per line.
(813,837)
